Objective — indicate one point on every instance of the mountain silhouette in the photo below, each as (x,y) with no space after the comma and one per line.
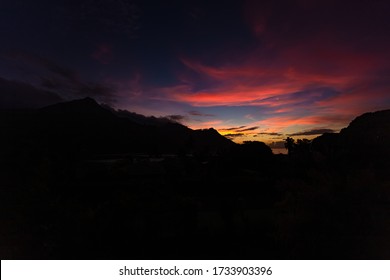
(87,107)
(82,180)
(366,138)
(83,127)
(368,134)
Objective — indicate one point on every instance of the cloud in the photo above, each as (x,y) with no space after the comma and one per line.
(64,81)
(43,62)
(313,132)
(199,114)
(291,67)
(233,128)
(281,123)
(247,129)
(307,67)
(207,124)
(78,88)
(95,89)
(270,133)
(311,84)
(176,118)
(276,87)
(233,135)
(238,131)
(142,119)
(19,95)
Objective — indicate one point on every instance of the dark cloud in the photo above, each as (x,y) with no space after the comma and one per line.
(313,132)
(175,118)
(78,88)
(247,129)
(144,120)
(61,79)
(19,95)
(199,114)
(43,62)
(234,128)
(240,129)
(233,135)
(95,89)
(270,133)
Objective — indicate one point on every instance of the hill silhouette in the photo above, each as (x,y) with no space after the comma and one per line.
(368,135)
(82,180)
(85,127)
(86,107)
(364,140)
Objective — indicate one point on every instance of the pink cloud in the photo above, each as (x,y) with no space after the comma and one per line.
(302,67)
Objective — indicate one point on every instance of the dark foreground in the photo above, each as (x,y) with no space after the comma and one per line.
(81,182)
(139,207)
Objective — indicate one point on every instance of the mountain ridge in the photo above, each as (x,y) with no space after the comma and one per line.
(84,126)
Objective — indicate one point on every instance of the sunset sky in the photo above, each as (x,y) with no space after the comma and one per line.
(253,70)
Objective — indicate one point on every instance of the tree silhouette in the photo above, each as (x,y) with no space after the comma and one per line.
(289,145)
(303,144)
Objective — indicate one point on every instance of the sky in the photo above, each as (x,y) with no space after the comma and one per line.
(253,70)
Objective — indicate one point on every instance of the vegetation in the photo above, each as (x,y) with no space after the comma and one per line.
(62,199)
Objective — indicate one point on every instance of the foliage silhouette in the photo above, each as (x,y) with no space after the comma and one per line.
(289,145)
(79,181)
